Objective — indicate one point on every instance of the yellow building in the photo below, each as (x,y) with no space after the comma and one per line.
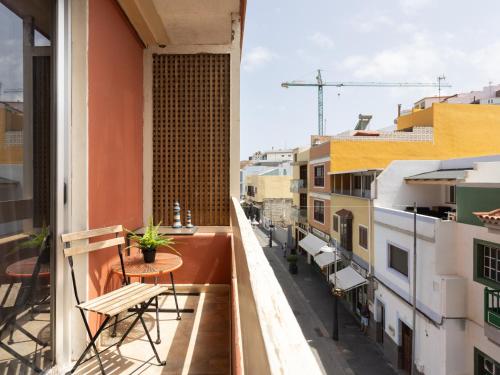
(443,131)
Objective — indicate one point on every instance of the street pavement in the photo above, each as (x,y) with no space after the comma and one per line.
(309,297)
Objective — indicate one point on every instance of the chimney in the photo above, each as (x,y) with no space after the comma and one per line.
(399,110)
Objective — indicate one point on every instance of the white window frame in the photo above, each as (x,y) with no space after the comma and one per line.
(324,214)
(367,235)
(322,165)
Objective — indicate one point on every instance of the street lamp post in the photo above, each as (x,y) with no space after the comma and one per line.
(271,228)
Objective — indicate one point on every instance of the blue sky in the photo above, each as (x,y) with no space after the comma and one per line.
(356,40)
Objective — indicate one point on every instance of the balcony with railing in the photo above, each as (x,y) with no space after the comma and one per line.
(492,314)
(298,186)
(299,215)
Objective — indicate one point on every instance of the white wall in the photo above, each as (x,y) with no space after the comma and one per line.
(392,191)
(464,245)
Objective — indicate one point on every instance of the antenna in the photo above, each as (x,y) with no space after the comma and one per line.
(440,78)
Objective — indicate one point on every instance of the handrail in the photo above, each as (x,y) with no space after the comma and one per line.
(492,307)
(271,339)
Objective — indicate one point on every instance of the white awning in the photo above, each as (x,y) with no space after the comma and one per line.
(325,259)
(312,244)
(347,279)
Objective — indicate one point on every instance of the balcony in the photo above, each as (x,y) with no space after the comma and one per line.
(298,186)
(299,215)
(492,314)
(236,319)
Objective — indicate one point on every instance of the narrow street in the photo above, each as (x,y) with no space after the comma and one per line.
(311,302)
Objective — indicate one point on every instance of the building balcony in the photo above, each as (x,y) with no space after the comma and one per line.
(492,314)
(298,186)
(234,316)
(299,215)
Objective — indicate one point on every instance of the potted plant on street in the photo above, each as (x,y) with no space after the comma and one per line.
(151,240)
(292,262)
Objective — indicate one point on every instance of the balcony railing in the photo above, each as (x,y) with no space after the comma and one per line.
(492,307)
(299,215)
(267,336)
(297,185)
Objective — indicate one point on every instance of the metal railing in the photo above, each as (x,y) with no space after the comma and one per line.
(296,185)
(492,307)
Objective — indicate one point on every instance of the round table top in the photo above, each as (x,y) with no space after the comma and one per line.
(24,268)
(135,266)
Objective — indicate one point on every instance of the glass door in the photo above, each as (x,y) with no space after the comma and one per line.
(26,128)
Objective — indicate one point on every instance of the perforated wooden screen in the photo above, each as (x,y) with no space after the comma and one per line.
(191,125)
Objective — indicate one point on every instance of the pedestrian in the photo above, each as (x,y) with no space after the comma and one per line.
(365,317)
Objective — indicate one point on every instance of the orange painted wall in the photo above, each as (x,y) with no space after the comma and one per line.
(206,259)
(115,129)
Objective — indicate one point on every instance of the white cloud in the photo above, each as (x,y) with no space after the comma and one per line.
(369,23)
(418,60)
(486,61)
(410,6)
(257,57)
(321,40)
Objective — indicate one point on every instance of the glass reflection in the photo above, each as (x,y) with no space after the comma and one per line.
(25,142)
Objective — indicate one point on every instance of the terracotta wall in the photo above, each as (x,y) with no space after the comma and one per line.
(115,129)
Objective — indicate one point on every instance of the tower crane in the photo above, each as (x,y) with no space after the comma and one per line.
(320,84)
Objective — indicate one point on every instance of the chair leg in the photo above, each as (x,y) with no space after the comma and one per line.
(157,308)
(29,334)
(91,343)
(160,362)
(24,360)
(175,296)
(132,325)
(113,333)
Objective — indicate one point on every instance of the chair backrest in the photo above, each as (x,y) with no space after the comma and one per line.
(70,251)
(93,246)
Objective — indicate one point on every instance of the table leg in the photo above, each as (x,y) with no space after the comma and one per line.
(175,296)
(158,339)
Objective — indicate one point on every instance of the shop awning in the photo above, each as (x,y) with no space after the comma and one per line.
(312,244)
(347,279)
(325,259)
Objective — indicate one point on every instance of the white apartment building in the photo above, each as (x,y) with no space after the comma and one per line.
(457,257)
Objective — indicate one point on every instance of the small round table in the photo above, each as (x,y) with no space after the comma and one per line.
(136,267)
(24,268)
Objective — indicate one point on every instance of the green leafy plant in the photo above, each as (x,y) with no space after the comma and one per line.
(35,239)
(292,258)
(152,239)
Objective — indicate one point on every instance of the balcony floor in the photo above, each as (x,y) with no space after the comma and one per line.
(197,344)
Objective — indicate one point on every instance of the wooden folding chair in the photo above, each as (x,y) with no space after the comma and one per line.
(134,297)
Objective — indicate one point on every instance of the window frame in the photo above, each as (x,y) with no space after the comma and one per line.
(395,270)
(478,264)
(322,166)
(314,210)
(478,354)
(361,226)
(449,194)
(336,220)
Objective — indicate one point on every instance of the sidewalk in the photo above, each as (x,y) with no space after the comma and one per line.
(311,301)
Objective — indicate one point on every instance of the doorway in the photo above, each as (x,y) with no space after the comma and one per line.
(406,348)
(380,322)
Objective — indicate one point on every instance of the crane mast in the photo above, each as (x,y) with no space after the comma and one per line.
(320,84)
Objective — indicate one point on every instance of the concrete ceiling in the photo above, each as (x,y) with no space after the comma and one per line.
(181,22)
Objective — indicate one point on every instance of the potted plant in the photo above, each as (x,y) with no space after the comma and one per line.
(35,241)
(151,240)
(292,263)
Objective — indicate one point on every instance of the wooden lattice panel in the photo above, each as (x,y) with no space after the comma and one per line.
(191,125)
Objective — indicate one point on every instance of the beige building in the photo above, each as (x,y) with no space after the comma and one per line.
(271,195)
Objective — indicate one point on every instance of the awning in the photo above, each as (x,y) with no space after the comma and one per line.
(347,279)
(325,259)
(442,176)
(312,244)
